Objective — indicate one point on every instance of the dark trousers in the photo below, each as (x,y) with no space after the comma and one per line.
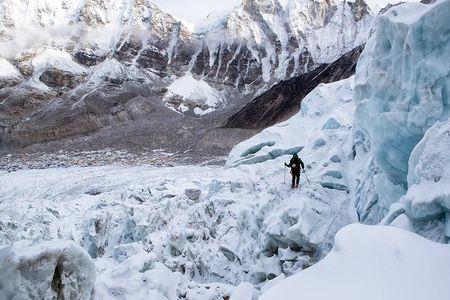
(295,179)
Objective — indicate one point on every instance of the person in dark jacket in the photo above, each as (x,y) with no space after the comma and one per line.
(296,165)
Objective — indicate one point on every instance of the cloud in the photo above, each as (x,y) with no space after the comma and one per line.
(194,10)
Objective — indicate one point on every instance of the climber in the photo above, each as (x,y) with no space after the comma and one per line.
(296,165)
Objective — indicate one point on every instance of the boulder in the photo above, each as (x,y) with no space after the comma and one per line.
(88,58)
(193,194)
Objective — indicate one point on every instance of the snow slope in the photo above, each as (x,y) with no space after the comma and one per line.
(325,118)
(373,262)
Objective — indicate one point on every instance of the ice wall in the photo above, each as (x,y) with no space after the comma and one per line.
(402,82)
(428,197)
(49,270)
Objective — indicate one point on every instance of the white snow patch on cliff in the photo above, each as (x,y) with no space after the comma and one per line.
(377,5)
(58,59)
(194,93)
(8,70)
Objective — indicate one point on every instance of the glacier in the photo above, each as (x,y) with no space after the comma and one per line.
(375,148)
(245,226)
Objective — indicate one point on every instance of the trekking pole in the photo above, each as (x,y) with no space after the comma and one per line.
(307,179)
(284,175)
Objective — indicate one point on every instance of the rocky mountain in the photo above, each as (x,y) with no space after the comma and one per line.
(72,67)
(282,100)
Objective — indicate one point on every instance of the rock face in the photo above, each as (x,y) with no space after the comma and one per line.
(50,270)
(56,78)
(271,40)
(283,99)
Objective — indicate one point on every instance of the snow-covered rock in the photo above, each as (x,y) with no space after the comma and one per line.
(59,59)
(49,270)
(254,45)
(114,71)
(193,93)
(364,257)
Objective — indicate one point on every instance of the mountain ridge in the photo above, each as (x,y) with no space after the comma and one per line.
(123,49)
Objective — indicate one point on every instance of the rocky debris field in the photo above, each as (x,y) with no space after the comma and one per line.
(63,159)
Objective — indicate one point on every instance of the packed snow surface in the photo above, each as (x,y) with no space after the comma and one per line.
(373,262)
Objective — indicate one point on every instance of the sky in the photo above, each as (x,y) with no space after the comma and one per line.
(194,10)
